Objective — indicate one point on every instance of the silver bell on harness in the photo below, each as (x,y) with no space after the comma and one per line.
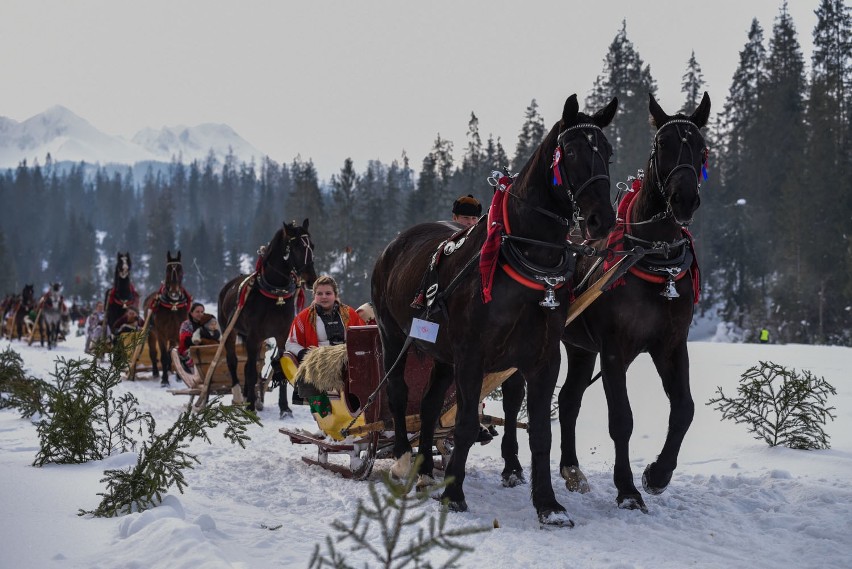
(669,290)
(549,296)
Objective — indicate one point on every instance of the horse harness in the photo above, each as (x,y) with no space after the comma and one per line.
(123,302)
(660,262)
(281,294)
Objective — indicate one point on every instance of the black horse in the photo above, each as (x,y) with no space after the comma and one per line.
(649,311)
(170,307)
(268,311)
(24,305)
(122,293)
(564,185)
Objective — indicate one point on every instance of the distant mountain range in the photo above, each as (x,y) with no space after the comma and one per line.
(70,138)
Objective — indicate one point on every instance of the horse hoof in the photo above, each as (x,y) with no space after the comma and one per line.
(575,480)
(513,478)
(258,405)
(555,518)
(237,393)
(632,503)
(401,467)
(285,413)
(457,505)
(654,489)
(156,373)
(164,382)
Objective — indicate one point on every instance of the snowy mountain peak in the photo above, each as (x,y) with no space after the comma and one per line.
(195,142)
(66,136)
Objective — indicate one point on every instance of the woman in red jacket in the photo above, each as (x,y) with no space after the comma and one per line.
(323,323)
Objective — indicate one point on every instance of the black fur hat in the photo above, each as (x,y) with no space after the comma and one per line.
(467,205)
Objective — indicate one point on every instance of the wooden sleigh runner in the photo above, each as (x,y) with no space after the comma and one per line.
(203,357)
(370,436)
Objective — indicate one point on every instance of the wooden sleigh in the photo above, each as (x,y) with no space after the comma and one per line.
(370,436)
(220,380)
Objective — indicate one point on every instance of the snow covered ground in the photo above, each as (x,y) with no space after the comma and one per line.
(733,501)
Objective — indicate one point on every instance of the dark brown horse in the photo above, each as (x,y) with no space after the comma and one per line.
(169,307)
(24,304)
(122,293)
(565,185)
(649,311)
(268,310)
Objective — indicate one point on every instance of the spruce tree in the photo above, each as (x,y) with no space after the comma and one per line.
(625,76)
(531,136)
(738,264)
(827,160)
(343,233)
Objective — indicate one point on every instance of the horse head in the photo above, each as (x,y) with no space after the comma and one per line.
(122,266)
(573,162)
(302,251)
(678,155)
(173,285)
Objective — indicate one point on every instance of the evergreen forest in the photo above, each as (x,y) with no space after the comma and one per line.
(774,231)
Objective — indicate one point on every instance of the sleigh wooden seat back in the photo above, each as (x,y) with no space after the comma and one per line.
(220,382)
(130,340)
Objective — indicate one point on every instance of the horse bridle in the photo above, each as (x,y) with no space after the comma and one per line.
(661,184)
(174,274)
(574,192)
(295,272)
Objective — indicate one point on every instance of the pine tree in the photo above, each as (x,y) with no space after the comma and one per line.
(344,232)
(8,280)
(531,136)
(625,76)
(692,85)
(781,135)
(827,160)
(738,264)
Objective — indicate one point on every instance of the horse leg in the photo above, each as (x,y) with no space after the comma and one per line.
(674,371)
(42,333)
(283,406)
(620,418)
(397,401)
(468,381)
(152,352)
(540,389)
(430,410)
(165,360)
(250,371)
(581,365)
(513,397)
(231,358)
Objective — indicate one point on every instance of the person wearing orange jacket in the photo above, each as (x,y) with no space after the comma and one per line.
(323,323)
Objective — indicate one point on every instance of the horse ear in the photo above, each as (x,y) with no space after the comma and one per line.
(305,224)
(604,116)
(702,113)
(569,111)
(178,256)
(658,115)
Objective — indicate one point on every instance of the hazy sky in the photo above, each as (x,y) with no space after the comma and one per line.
(362,79)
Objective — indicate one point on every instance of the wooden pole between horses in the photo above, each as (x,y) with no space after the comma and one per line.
(137,350)
(583,301)
(205,388)
(35,325)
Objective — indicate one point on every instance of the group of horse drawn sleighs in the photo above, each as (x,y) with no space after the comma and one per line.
(460,312)
(46,318)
